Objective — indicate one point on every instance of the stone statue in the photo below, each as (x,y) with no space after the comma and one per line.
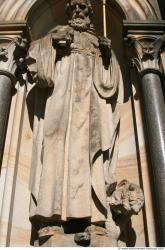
(76,127)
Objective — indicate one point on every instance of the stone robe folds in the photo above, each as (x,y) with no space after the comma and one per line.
(75,142)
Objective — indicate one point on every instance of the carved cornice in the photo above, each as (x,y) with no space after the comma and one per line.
(14,29)
(143,27)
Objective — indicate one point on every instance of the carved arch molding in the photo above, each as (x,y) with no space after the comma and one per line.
(23,10)
(36,12)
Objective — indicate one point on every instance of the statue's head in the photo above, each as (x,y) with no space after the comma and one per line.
(80,13)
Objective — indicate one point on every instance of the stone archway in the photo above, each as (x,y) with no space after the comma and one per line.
(136,9)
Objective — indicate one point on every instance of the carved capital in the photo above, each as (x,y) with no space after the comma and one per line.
(147,51)
(3,54)
(12,58)
(14,40)
(145,41)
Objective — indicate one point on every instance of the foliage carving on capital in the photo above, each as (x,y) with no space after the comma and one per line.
(3,54)
(148,50)
(12,57)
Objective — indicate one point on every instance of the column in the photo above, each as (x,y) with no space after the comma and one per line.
(14,39)
(148,47)
(6,85)
(154,113)
(12,51)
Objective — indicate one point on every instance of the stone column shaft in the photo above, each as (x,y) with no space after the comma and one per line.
(5,100)
(154,114)
(12,57)
(147,47)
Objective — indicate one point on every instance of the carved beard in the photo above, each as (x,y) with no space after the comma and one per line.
(79,23)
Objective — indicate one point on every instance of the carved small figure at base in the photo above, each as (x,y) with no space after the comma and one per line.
(125,201)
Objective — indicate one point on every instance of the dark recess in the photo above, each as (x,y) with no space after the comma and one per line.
(162,8)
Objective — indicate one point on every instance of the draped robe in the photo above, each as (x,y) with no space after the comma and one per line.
(75,144)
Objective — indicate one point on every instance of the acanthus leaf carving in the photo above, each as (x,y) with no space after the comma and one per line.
(148,49)
(3,54)
(12,58)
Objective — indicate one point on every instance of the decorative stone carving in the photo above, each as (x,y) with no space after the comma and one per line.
(148,49)
(12,57)
(127,199)
(149,45)
(76,128)
(21,11)
(49,231)
(3,54)
(13,51)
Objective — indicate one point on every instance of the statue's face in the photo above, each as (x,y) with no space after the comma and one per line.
(79,14)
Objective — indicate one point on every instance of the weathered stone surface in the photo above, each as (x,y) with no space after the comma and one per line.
(132,153)
(76,144)
(148,62)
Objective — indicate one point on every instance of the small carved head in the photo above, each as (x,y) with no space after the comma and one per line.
(3,54)
(79,13)
(127,199)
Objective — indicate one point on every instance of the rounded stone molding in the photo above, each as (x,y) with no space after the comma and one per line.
(9,75)
(22,9)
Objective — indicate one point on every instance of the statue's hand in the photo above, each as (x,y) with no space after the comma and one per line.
(69,38)
(63,38)
(105,48)
(104,43)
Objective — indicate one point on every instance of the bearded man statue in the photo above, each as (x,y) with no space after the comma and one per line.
(76,125)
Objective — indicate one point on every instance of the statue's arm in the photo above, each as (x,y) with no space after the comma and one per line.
(62,36)
(107,78)
(105,49)
(43,54)
(31,61)
(41,60)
